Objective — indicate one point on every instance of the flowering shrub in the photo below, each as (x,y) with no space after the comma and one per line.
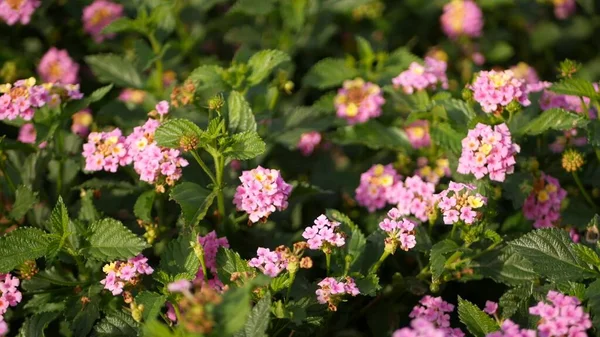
(249,168)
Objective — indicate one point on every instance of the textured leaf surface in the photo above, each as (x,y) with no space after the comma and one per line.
(245,146)
(110,68)
(553,119)
(437,257)
(179,257)
(262,63)
(116,324)
(240,114)
(230,262)
(329,73)
(550,252)
(169,134)
(21,245)
(258,320)
(111,240)
(152,302)
(24,201)
(506,266)
(143,206)
(194,201)
(574,86)
(35,325)
(477,322)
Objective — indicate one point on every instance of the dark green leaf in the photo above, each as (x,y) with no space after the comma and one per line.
(253,7)
(233,311)
(85,319)
(59,219)
(506,266)
(230,262)
(143,206)
(476,321)
(194,201)
(24,200)
(35,325)
(116,324)
(152,302)
(258,320)
(446,137)
(244,146)
(553,119)
(368,285)
(110,240)
(20,245)
(438,257)
(515,300)
(110,68)
(179,257)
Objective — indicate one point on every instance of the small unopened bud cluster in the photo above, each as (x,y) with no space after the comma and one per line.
(183,95)
(572,160)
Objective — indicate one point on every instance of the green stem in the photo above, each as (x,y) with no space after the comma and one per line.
(292,279)
(453,231)
(453,258)
(156,48)
(203,264)
(203,166)
(377,264)
(585,194)
(8,179)
(328,261)
(219,166)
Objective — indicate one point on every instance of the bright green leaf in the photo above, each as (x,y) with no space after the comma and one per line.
(179,257)
(194,201)
(240,116)
(477,322)
(373,135)
(20,245)
(230,262)
(244,146)
(262,63)
(575,87)
(171,133)
(152,302)
(553,119)
(110,68)
(111,240)
(438,257)
(258,320)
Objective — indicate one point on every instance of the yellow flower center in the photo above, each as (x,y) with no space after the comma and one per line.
(543,196)
(485,149)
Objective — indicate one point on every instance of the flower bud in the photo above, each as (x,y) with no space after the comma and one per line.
(572,160)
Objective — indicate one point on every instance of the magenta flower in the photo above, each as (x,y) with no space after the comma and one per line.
(98,15)
(510,329)
(262,192)
(420,327)
(81,123)
(400,231)
(323,234)
(412,197)
(308,142)
(544,202)
(374,187)
(563,316)
(10,295)
(210,245)
(13,11)
(418,134)
(358,101)
(488,151)
(162,108)
(460,203)
(179,286)
(494,90)
(27,134)
(436,311)
(133,96)
(122,273)
(563,9)
(490,307)
(332,291)
(56,66)
(270,263)
(420,77)
(105,151)
(462,18)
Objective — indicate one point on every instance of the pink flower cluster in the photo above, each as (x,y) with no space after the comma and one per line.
(19,100)
(270,263)
(27,134)
(459,203)
(525,72)
(153,163)
(81,123)
(436,311)
(488,150)
(323,234)
(413,196)
(462,18)
(12,11)
(210,245)
(122,273)
(563,316)
(262,192)
(420,77)
(544,202)
(10,295)
(98,15)
(420,327)
(308,142)
(418,134)
(133,96)
(511,329)
(496,89)
(570,137)
(551,100)
(57,66)
(564,8)
(372,192)
(106,151)
(331,291)
(400,231)
(358,101)
(430,173)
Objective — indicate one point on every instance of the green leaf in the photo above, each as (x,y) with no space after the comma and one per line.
(446,137)
(372,134)
(594,133)
(476,321)
(208,78)
(85,319)
(144,54)
(230,262)
(586,254)
(156,329)
(553,119)
(116,324)
(253,7)
(551,253)
(123,25)
(244,146)
(329,73)
(170,134)
(194,201)
(233,311)
(152,302)
(515,300)
(592,295)
(143,206)
(110,68)
(25,198)
(365,51)
(262,63)
(240,116)
(459,112)
(179,257)
(78,105)
(575,87)
(20,245)
(368,285)
(356,243)
(258,320)
(438,258)
(588,5)
(35,325)
(59,219)
(110,240)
